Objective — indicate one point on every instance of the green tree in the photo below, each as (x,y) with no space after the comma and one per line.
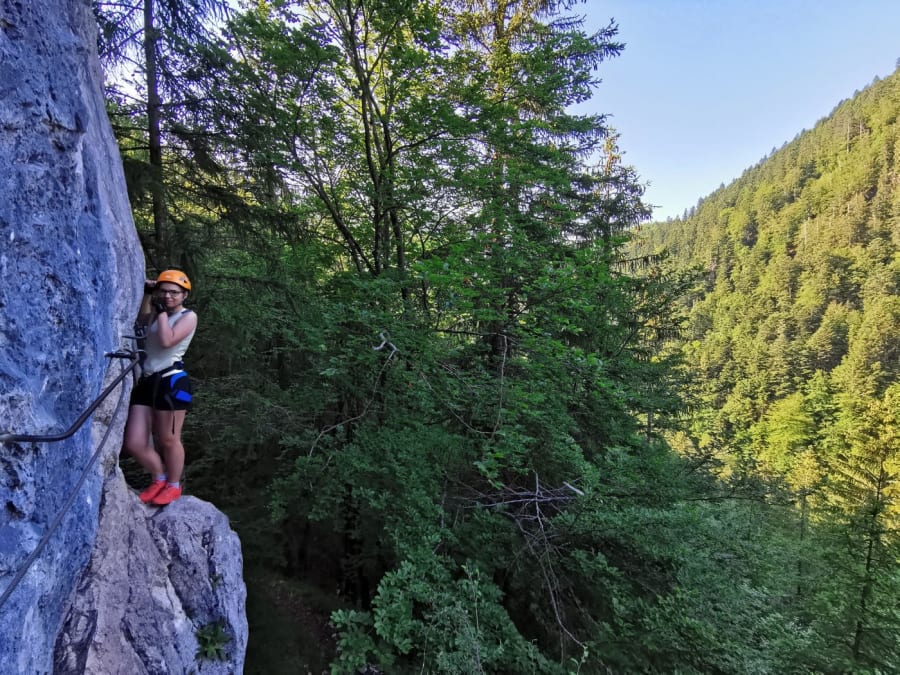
(520,356)
(862,495)
(793,338)
(165,41)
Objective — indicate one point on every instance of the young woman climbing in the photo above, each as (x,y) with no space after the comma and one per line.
(162,396)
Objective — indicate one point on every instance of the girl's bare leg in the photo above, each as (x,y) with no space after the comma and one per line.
(137,439)
(167,432)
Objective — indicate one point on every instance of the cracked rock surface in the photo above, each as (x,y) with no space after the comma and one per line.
(117,587)
(157,578)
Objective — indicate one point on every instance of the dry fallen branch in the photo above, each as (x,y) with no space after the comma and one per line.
(533,511)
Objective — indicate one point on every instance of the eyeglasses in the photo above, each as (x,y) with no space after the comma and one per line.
(168,292)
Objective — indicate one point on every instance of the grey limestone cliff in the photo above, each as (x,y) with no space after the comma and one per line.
(157,578)
(71,272)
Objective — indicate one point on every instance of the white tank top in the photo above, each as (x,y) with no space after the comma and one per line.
(159,358)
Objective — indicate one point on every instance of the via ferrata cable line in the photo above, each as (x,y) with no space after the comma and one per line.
(49,438)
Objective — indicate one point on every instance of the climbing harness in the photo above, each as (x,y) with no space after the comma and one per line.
(134,356)
(175,393)
(168,377)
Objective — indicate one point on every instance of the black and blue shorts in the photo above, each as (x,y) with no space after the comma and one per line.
(162,391)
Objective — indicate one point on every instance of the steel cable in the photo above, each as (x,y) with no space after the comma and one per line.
(9,438)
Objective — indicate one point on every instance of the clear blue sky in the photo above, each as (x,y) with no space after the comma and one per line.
(706,88)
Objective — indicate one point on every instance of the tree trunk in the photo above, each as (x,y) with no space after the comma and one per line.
(153,132)
(873,537)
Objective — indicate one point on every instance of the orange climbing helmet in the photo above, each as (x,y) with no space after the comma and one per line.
(176,277)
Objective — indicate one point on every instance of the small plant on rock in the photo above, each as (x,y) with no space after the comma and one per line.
(211,641)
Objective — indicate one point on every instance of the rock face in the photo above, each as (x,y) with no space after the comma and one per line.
(72,272)
(167,599)
(71,268)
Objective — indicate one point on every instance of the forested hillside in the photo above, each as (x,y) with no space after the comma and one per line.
(792,346)
(434,387)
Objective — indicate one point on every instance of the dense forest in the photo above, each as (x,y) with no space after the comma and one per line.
(792,347)
(466,413)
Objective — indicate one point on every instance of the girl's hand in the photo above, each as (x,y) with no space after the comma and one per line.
(149,285)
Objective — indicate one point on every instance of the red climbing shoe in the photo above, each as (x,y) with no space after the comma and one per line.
(155,488)
(167,495)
